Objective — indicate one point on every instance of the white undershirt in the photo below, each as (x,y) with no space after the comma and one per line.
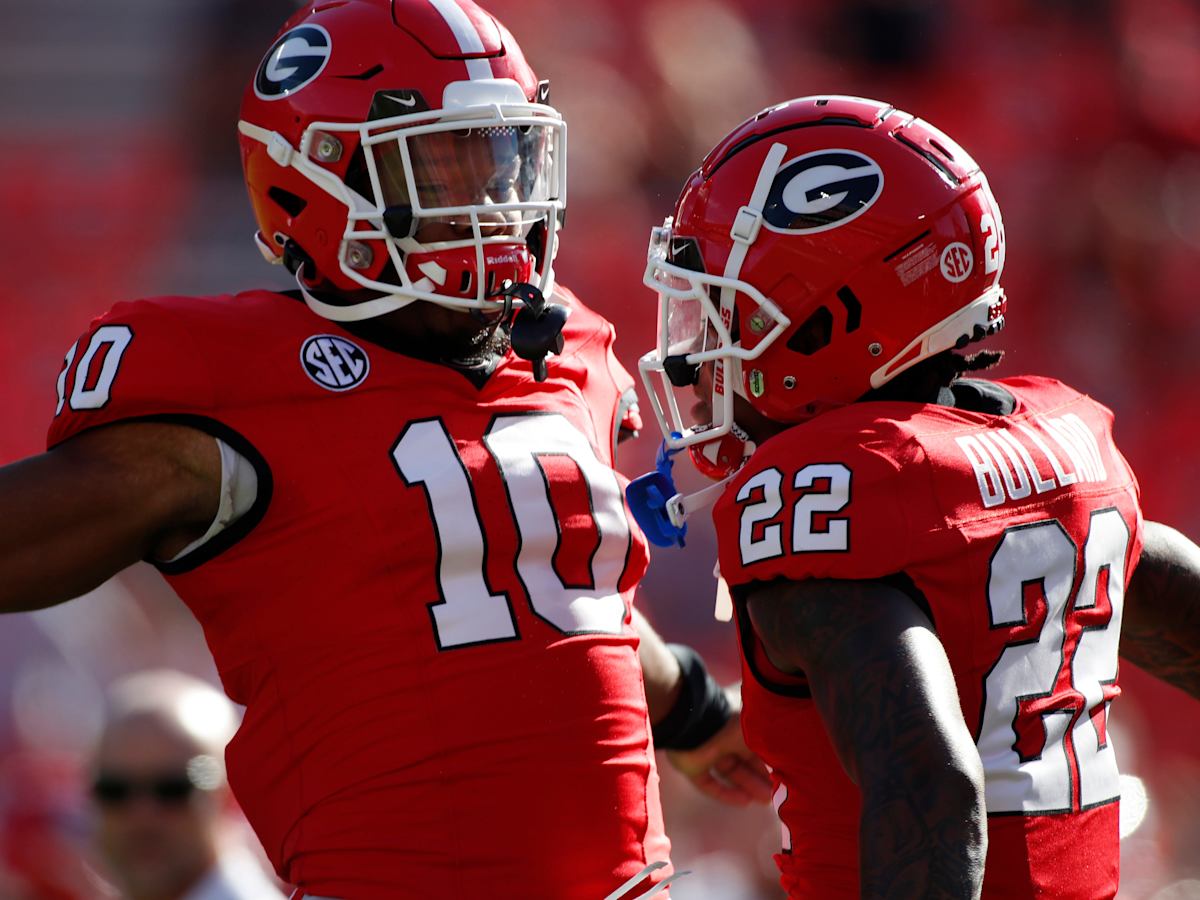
(239,490)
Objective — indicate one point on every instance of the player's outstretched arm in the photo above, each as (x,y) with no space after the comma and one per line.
(78,514)
(698,722)
(884,688)
(1160,630)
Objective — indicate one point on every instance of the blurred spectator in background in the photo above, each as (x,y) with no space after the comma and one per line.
(161,801)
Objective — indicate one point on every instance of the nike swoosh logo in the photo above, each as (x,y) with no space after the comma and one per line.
(409,101)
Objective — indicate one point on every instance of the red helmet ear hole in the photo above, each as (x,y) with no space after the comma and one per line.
(814,333)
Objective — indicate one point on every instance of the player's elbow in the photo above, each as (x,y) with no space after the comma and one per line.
(965,792)
(926,824)
(938,789)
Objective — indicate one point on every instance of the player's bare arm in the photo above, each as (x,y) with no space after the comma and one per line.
(1161,627)
(884,688)
(75,516)
(660,669)
(698,722)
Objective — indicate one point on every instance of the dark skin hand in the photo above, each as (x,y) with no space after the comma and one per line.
(1160,629)
(722,767)
(885,691)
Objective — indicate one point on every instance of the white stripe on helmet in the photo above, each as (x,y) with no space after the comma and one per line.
(467,36)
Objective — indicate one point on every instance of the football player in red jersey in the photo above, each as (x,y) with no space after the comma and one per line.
(405,540)
(930,570)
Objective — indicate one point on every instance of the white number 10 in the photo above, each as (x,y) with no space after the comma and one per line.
(468,611)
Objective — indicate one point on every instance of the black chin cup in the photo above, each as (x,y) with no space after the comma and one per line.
(536,329)
(680,372)
(538,234)
(400,222)
(536,242)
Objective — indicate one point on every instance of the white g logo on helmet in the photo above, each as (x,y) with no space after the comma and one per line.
(293,61)
(822,190)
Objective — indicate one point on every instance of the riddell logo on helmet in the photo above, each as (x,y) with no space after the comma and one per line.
(822,190)
(293,61)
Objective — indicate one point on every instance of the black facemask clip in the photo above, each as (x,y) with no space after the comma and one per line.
(680,372)
(536,330)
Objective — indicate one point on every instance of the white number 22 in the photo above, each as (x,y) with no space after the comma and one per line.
(806,537)
(1045,704)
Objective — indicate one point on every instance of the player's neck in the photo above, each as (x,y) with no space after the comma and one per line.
(461,338)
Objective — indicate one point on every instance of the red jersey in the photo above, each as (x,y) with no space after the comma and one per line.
(427,611)
(1020,531)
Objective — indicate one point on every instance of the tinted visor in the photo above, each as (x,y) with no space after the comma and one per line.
(489,166)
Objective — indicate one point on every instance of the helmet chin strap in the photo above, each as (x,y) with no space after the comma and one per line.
(660,509)
(356,312)
(743,232)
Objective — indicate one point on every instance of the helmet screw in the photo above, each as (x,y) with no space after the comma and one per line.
(359,256)
(789,381)
(757,323)
(875,348)
(326,148)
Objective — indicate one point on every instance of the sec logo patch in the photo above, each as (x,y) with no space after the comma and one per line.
(957,262)
(334,363)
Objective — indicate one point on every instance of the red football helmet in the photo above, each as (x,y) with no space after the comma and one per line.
(405,148)
(825,246)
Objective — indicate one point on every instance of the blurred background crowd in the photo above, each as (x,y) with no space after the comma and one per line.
(119,177)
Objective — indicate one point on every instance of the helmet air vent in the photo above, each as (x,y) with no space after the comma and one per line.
(853,308)
(814,333)
(937,145)
(290,203)
(944,170)
(364,76)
